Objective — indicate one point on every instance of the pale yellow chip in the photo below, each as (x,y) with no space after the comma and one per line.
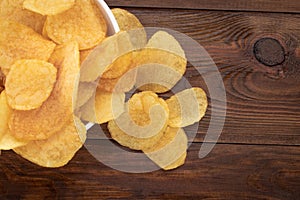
(55,112)
(7,141)
(13,10)
(85,92)
(129,22)
(170,151)
(187,107)
(57,150)
(158,70)
(29,83)
(83,23)
(46,7)
(84,54)
(143,122)
(21,42)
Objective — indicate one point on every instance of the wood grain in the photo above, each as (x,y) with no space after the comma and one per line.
(229,172)
(292,6)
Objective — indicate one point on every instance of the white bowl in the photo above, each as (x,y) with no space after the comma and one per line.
(112,25)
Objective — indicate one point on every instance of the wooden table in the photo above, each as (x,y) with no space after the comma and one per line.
(256,46)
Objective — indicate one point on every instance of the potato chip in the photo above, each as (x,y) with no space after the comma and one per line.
(187,107)
(143,122)
(46,7)
(84,54)
(83,23)
(55,112)
(104,107)
(13,10)
(57,150)
(170,151)
(127,21)
(21,42)
(7,141)
(159,70)
(29,83)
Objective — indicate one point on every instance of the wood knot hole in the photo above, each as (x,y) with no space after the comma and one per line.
(269,52)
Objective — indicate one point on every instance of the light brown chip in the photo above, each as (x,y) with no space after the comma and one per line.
(170,151)
(13,10)
(21,42)
(46,7)
(57,150)
(83,23)
(29,83)
(187,107)
(7,141)
(143,122)
(47,120)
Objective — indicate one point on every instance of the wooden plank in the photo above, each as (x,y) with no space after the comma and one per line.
(229,172)
(292,6)
(262,102)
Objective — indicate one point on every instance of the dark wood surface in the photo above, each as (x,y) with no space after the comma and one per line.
(258,153)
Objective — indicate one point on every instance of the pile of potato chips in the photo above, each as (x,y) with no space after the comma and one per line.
(58,67)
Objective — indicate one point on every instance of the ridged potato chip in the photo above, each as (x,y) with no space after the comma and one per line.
(55,112)
(83,23)
(13,10)
(29,83)
(161,50)
(7,141)
(143,122)
(21,42)
(170,151)
(46,7)
(187,107)
(57,150)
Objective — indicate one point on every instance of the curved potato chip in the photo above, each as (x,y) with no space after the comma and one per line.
(84,54)
(7,141)
(21,42)
(170,151)
(46,7)
(187,107)
(153,59)
(142,124)
(85,92)
(83,23)
(47,120)
(57,150)
(29,83)
(13,10)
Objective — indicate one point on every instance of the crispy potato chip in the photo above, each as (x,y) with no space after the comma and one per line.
(159,70)
(85,92)
(29,83)
(170,151)
(187,107)
(46,7)
(7,141)
(143,122)
(21,42)
(127,21)
(83,23)
(57,150)
(47,120)
(13,10)
(84,54)
(105,106)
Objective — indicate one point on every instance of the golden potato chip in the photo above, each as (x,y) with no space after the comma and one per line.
(127,21)
(170,151)
(55,112)
(7,141)
(21,42)
(29,83)
(85,92)
(84,54)
(83,23)
(105,106)
(159,70)
(143,122)
(13,10)
(46,7)
(187,107)
(57,150)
